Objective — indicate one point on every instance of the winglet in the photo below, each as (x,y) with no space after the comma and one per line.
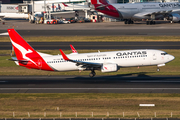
(65,5)
(63,55)
(73,49)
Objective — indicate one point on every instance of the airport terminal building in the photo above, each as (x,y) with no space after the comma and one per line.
(80,1)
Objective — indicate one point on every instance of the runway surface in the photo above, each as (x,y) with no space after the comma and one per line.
(97,45)
(84,84)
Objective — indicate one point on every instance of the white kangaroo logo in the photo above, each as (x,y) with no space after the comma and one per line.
(23,51)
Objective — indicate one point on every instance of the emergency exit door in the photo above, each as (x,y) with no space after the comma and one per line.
(154,56)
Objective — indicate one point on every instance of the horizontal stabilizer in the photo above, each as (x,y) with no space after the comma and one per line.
(15,59)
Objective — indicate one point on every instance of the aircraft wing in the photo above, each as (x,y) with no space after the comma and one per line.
(86,64)
(159,12)
(153,13)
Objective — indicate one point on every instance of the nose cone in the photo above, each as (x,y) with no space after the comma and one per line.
(171,57)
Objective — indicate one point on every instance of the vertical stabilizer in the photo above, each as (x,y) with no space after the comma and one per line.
(22,49)
(24,52)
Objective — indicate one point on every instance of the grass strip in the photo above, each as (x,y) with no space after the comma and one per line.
(10,68)
(97,38)
(89,105)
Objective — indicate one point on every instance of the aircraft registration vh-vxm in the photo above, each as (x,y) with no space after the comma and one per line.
(138,11)
(112,61)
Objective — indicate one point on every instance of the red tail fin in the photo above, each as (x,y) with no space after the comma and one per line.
(104,2)
(106,8)
(24,51)
(93,2)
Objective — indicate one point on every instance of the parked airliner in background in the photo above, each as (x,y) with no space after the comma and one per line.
(105,61)
(138,11)
(76,7)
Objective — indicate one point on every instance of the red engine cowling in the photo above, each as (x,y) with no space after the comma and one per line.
(112,67)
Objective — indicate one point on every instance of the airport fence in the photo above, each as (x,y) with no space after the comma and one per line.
(55,115)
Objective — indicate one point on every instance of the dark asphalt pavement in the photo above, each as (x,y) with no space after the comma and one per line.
(83,84)
(101,32)
(97,45)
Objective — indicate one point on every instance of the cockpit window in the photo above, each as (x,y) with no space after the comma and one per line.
(164,53)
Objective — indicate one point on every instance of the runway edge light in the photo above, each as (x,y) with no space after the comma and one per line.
(147,105)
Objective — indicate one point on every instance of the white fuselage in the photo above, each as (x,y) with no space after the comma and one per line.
(128,58)
(141,10)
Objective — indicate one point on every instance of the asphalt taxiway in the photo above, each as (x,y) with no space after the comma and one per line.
(101,32)
(97,45)
(83,84)
(91,29)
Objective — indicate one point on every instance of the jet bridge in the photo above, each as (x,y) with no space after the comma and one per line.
(24,8)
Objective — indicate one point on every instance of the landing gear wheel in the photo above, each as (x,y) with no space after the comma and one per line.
(150,22)
(125,22)
(129,21)
(92,74)
(158,69)
(147,22)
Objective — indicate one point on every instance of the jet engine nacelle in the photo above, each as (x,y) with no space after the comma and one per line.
(112,67)
(174,17)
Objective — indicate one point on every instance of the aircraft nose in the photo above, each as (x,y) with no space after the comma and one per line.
(171,57)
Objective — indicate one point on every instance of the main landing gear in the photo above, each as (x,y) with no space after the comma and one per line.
(129,21)
(150,22)
(92,74)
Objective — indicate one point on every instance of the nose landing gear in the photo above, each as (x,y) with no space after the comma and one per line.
(158,69)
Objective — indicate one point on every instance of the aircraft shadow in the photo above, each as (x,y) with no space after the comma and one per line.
(123,78)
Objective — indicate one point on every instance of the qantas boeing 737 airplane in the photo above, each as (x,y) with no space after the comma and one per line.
(112,61)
